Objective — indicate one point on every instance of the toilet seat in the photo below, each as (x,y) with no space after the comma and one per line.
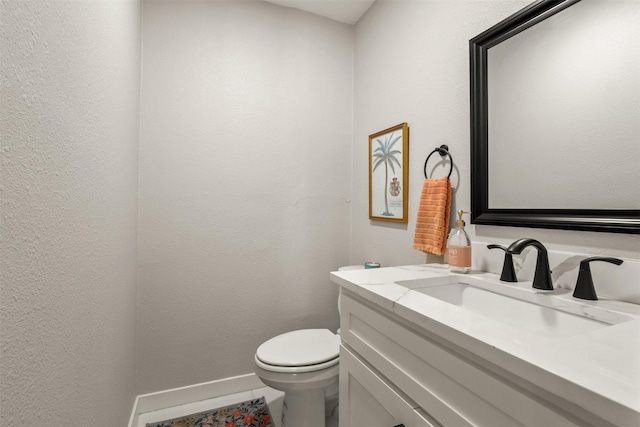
(305,350)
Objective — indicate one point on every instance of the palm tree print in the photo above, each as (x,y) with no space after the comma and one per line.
(384,154)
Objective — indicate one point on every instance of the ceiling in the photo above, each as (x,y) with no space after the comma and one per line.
(347,11)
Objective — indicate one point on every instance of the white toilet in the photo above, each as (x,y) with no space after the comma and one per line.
(303,364)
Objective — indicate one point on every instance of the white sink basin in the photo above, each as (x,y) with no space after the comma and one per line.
(526,309)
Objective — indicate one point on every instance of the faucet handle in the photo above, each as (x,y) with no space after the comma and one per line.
(508,272)
(584,286)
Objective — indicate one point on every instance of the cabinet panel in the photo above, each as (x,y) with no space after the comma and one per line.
(453,390)
(366,400)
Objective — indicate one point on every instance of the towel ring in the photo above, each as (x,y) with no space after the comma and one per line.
(443,150)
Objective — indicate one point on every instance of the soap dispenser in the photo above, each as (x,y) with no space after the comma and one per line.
(459,247)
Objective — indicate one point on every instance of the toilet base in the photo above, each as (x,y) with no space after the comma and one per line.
(303,409)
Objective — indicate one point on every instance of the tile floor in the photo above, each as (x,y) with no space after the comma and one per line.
(273,397)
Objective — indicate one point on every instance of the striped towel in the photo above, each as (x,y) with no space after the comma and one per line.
(432,224)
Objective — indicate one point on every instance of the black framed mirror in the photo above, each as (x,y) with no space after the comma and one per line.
(549,70)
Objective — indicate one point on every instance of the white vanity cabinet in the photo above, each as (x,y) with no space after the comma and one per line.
(394,372)
(368,400)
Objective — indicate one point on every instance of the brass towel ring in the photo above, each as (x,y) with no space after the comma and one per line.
(443,150)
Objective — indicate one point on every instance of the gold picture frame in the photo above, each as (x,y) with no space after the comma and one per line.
(388,164)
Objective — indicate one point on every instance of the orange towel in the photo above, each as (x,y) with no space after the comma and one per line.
(432,225)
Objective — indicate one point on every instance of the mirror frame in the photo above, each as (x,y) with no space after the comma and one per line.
(603,220)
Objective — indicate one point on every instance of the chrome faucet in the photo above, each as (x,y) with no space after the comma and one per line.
(542,277)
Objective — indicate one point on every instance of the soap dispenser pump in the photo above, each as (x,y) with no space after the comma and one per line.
(459,247)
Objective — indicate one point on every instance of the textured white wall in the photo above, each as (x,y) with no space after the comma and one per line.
(412,64)
(69,128)
(246,129)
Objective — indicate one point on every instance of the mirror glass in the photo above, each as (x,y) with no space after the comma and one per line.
(564,111)
(555,117)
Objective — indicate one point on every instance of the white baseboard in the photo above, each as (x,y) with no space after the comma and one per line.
(192,393)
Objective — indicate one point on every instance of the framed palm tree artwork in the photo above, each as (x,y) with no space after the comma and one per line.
(389,174)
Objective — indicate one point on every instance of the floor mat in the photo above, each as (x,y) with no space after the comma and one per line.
(252,413)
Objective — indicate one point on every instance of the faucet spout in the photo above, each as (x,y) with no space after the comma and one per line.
(542,277)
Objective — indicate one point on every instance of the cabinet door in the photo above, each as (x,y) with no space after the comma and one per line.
(367,400)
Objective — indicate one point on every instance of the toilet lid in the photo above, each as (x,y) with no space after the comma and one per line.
(300,348)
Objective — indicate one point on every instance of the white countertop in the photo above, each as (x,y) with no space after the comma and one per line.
(599,369)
